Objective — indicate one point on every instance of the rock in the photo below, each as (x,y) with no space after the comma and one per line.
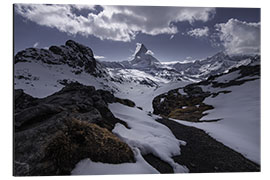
(79,47)
(35,114)
(188,107)
(126,102)
(54,133)
(72,53)
(55,147)
(22,100)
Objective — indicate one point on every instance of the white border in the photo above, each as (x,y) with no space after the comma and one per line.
(6,46)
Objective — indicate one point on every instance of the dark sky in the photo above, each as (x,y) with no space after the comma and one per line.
(41,30)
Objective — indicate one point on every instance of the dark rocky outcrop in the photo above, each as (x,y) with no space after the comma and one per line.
(52,134)
(72,53)
(189,107)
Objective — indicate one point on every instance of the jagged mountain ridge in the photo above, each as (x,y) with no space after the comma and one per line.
(143,59)
(189,71)
(72,53)
(217,64)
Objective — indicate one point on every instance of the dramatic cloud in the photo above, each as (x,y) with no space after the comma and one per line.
(118,23)
(239,37)
(199,32)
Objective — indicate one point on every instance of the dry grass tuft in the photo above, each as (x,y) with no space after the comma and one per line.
(80,140)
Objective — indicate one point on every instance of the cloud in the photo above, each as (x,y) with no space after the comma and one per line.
(99,57)
(118,23)
(239,37)
(35,45)
(199,32)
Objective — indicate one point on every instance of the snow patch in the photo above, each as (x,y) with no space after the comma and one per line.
(88,167)
(161,100)
(228,77)
(149,52)
(147,135)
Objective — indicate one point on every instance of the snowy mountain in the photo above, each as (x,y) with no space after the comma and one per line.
(142,59)
(41,72)
(217,64)
(188,71)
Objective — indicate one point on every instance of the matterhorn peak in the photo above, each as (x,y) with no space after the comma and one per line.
(140,49)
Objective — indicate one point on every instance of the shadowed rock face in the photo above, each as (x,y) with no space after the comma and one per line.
(54,133)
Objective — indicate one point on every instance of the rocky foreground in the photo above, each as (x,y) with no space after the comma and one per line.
(54,133)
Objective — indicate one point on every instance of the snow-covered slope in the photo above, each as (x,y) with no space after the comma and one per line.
(235,97)
(41,72)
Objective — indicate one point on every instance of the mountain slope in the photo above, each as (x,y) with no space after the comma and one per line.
(227,106)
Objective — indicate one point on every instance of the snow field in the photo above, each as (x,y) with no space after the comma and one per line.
(239,127)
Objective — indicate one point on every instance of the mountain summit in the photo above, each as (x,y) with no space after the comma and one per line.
(140,49)
(143,58)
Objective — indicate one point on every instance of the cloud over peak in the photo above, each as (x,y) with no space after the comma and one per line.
(117,23)
(239,37)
